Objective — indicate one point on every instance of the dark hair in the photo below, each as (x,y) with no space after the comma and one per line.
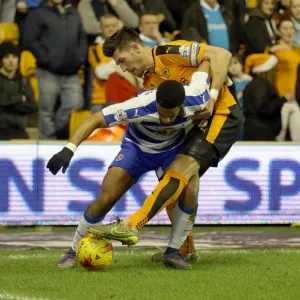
(121,40)
(238,58)
(284,18)
(170,94)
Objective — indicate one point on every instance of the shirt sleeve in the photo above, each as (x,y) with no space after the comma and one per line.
(130,111)
(197,92)
(185,53)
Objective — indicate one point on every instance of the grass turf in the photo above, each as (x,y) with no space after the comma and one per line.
(220,274)
(284,229)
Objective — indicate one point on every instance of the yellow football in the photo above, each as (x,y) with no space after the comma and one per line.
(94,254)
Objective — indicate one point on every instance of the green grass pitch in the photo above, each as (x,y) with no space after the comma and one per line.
(269,274)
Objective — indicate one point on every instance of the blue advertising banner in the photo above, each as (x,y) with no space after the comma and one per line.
(254,184)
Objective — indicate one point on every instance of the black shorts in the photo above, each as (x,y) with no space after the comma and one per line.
(208,145)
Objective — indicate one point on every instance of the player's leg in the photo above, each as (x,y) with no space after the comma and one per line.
(166,192)
(200,151)
(183,218)
(122,174)
(116,177)
(187,247)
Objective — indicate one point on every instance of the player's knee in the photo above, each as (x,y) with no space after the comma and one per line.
(185,165)
(191,192)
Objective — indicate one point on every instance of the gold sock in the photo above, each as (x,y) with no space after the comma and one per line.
(151,207)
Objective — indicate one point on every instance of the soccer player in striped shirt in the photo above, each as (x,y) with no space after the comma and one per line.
(159,121)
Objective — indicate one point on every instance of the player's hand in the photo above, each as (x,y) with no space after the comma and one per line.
(60,160)
(208,110)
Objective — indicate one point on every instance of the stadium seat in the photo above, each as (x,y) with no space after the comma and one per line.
(77,118)
(28,69)
(9,32)
(252,3)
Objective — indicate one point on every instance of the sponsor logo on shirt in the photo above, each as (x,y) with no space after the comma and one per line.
(121,115)
(166,72)
(120,157)
(184,51)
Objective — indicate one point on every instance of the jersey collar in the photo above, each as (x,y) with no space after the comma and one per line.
(205,5)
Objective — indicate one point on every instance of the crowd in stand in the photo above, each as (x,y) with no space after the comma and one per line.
(56,66)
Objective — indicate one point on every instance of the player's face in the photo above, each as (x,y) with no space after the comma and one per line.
(10,63)
(287,31)
(149,25)
(295,9)
(131,60)
(168,116)
(267,7)
(235,67)
(109,26)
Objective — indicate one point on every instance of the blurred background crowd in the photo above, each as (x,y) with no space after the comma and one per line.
(53,73)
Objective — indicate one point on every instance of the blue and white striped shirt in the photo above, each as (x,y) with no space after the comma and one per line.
(145,129)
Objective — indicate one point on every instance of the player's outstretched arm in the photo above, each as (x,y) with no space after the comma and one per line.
(87,127)
(63,158)
(219,59)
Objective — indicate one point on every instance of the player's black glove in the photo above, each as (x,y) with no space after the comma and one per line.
(60,160)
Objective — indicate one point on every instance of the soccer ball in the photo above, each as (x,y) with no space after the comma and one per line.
(94,254)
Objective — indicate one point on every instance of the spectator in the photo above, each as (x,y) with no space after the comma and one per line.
(262,103)
(260,30)
(23,8)
(158,8)
(91,11)
(149,31)
(177,9)
(16,95)
(7,11)
(290,119)
(102,66)
(283,6)
(288,58)
(290,115)
(55,36)
(238,9)
(286,78)
(214,23)
(240,79)
(295,11)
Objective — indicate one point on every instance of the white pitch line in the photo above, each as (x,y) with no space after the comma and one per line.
(7,296)
(137,252)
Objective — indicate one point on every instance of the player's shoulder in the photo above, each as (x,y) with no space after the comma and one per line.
(174,47)
(147,94)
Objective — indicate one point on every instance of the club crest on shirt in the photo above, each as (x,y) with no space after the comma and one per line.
(120,157)
(166,72)
(121,115)
(166,131)
(184,51)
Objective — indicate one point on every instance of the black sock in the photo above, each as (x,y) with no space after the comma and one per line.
(171,250)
